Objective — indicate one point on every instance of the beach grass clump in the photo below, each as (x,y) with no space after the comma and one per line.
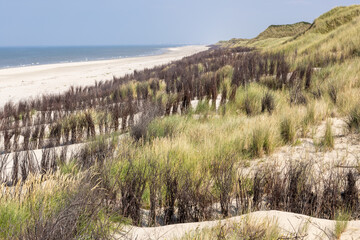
(257,143)
(288,130)
(262,141)
(308,120)
(353,120)
(248,99)
(11,219)
(342,219)
(328,141)
(166,127)
(202,107)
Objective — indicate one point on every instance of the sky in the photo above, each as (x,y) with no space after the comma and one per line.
(147,22)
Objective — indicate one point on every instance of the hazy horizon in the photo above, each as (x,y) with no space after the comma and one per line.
(40,23)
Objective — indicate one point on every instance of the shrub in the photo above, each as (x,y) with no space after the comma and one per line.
(350,195)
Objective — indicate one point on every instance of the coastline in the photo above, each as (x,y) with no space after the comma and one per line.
(31,81)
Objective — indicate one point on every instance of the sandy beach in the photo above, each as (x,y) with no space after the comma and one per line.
(25,82)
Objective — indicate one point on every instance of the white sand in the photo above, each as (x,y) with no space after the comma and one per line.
(24,82)
(305,226)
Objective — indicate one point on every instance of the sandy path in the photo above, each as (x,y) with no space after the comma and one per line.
(24,82)
(310,228)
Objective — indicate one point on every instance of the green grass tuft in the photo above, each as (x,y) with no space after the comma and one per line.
(328,140)
(287,130)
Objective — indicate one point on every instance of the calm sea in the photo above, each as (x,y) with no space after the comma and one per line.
(28,56)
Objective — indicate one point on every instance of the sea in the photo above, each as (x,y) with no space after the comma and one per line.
(29,56)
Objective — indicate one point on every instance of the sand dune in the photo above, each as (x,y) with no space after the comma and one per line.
(24,82)
(305,226)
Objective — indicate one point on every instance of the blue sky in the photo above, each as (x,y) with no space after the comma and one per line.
(124,22)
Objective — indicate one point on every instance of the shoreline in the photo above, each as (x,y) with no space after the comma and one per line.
(19,83)
(159,52)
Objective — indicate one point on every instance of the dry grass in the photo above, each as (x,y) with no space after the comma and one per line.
(247,228)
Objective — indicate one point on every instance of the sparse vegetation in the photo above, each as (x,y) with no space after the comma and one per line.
(246,229)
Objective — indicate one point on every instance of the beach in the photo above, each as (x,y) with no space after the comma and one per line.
(24,82)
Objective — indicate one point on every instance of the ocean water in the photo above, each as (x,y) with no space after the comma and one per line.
(29,56)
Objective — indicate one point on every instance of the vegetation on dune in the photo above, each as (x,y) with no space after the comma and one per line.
(274,33)
(52,207)
(281,31)
(342,219)
(328,140)
(331,38)
(353,120)
(335,18)
(247,229)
